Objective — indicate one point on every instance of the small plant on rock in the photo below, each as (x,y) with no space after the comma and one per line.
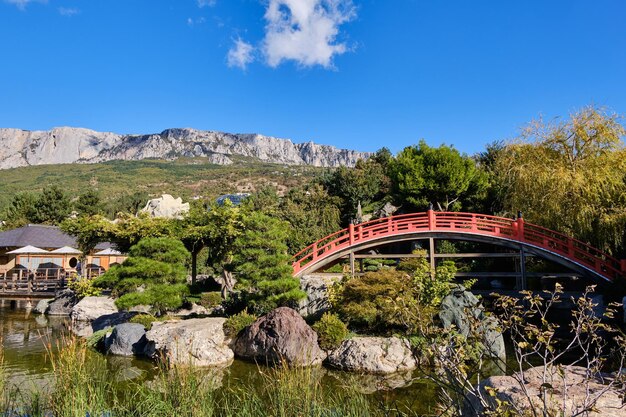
(235,324)
(210,300)
(145,319)
(331,331)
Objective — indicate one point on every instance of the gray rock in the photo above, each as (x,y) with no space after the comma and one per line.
(90,308)
(198,342)
(126,339)
(570,394)
(67,145)
(376,355)
(111,320)
(166,207)
(42,306)
(63,303)
(281,335)
(462,310)
(316,288)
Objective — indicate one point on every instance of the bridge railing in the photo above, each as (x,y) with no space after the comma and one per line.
(482,224)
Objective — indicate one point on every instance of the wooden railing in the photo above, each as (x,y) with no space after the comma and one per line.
(42,280)
(516,230)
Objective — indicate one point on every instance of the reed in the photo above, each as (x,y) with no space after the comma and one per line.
(82,385)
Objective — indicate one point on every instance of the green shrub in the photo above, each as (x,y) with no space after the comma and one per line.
(83,287)
(235,324)
(331,331)
(145,319)
(210,300)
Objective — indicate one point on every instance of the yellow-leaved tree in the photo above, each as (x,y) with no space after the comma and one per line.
(569,175)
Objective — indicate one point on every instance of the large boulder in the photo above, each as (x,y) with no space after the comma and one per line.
(198,342)
(63,303)
(316,288)
(167,207)
(110,320)
(90,308)
(280,336)
(462,310)
(376,355)
(126,339)
(569,392)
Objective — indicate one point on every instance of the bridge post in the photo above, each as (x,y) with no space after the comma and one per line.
(431,219)
(522,282)
(520,228)
(351,233)
(431,255)
(623,265)
(352,264)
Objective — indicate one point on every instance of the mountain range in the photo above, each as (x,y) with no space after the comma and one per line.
(68,145)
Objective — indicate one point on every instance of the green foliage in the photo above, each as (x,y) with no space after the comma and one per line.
(402,299)
(145,319)
(210,300)
(579,164)
(331,331)
(51,206)
(89,203)
(366,183)
(442,176)
(83,287)
(236,323)
(98,336)
(372,302)
(152,275)
(262,265)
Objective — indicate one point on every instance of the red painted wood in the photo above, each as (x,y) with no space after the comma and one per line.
(473,223)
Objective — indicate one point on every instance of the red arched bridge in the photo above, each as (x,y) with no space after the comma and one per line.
(502,231)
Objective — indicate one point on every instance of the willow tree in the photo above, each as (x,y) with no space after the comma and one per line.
(570,176)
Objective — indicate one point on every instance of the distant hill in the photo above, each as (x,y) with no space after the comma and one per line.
(184,177)
(67,145)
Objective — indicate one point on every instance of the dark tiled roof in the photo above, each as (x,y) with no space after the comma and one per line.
(46,237)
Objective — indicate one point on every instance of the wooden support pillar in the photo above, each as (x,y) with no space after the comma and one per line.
(361,269)
(352,264)
(522,283)
(431,254)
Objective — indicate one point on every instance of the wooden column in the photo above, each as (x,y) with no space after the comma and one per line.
(522,283)
(431,254)
(352,264)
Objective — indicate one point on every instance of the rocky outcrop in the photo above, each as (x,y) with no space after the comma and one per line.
(316,288)
(63,303)
(376,355)
(462,310)
(166,207)
(198,342)
(126,339)
(280,336)
(569,392)
(67,145)
(90,308)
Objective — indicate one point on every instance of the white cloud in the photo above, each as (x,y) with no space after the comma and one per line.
(305,31)
(68,11)
(21,4)
(241,54)
(192,22)
(206,3)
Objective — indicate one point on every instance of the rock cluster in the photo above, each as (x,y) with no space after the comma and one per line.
(67,145)
(570,392)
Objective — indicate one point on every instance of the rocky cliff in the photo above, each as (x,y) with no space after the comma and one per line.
(66,145)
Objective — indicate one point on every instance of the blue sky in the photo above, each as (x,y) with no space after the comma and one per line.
(362,74)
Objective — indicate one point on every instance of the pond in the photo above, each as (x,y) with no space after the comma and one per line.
(27,339)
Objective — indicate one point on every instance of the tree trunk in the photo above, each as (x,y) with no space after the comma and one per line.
(194,266)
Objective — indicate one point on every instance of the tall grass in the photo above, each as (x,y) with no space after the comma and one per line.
(83,386)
